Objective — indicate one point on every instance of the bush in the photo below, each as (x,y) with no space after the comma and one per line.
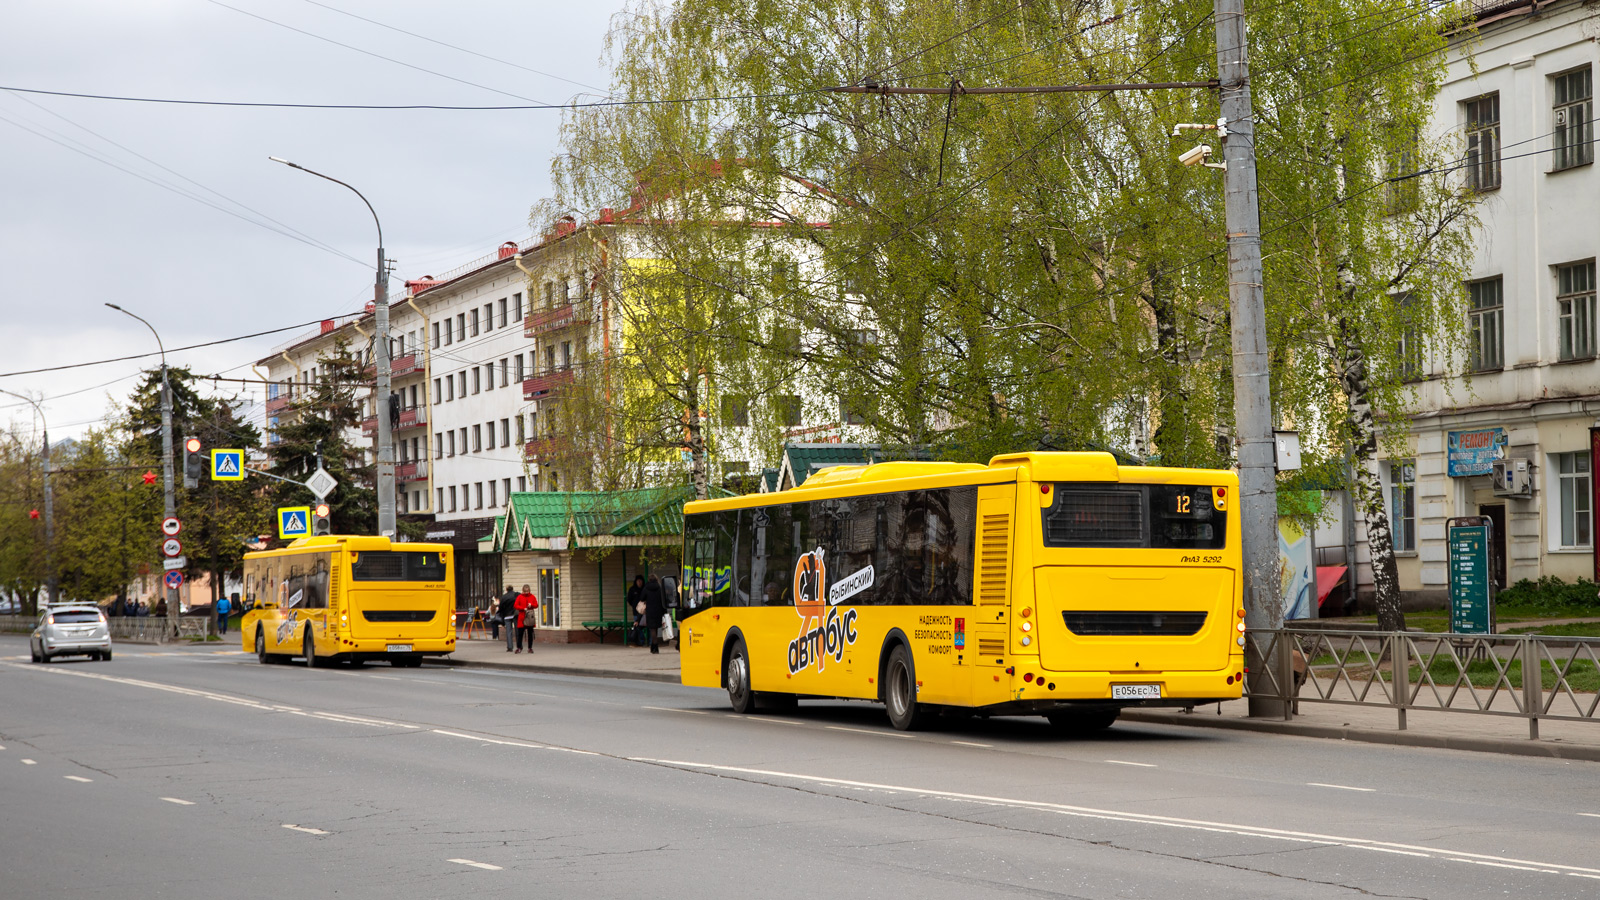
(1551,593)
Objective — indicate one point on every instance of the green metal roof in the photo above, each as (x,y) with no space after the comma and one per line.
(542,515)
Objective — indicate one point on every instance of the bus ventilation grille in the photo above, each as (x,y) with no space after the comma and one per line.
(1095,518)
(397,615)
(991,646)
(1119,622)
(994,558)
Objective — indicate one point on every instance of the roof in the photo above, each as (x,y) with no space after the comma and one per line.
(556,520)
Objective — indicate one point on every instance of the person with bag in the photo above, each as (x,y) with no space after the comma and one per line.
(525,604)
(635,611)
(506,613)
(655,607)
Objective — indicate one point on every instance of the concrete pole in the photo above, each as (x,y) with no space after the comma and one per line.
(380,311)
(169,497)
(1252,390)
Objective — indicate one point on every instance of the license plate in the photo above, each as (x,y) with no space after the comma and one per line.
(1136,692)
(406,648)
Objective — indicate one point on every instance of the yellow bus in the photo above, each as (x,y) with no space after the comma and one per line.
(349,598)
(1054,584)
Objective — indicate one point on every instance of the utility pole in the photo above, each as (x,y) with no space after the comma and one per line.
(380,358)
(52,579)
(1252,388)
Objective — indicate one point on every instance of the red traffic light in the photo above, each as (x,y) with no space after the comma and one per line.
(149,478)
(322,510)
(192,445)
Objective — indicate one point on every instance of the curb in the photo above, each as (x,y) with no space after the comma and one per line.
(661,677)
(1541,748)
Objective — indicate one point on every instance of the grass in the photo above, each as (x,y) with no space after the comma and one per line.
(1582,676)
(1571,629)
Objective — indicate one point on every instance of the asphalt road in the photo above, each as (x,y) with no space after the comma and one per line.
(198,773)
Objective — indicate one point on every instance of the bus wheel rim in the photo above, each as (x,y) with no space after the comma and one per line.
(737,682)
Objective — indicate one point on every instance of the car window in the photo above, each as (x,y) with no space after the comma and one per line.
(76,615)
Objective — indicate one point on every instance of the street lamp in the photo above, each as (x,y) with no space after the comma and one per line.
(380,308)
(169,499)
(51,579)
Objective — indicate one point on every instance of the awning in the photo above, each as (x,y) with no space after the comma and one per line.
(1328,578)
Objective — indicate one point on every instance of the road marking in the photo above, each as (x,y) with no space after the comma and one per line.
(484,740)
(894,734)
(974,744)
(1590,815)
(475,865)
(29,762)
(78,778)
(1501,865)
(1086,812)
(1123,762)
(1392,850)
(305,829)
(692,712)
(769,720)
(2,746)
(179,802)
(1340,787)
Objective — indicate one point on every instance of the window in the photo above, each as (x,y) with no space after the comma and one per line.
(436,335)
(438,394)
(1403,504)
(463,376)
(549,294)
(789,409)
(516,307)
(492,503)
(505,432)
(1486,318)
(506,483)
(477,495)
(477,439)
(1410,347)
(583,284)
(854,410)
(488,317)
(503,320)
(1483,142)
(566,354)
(453,498)
(488,376)
(505,370)
(438,446)
(522,435)
(474,322)
(489,431)
(1402,191)
(449,333)
(450,387)
(521,372)
(1577,515)
(413,397)
(550,358)
(522,483)
(451,443)
(1575,304)
(461,326)
(477,380)
(440,504)
(1574,120)
(463,440)
(735,410)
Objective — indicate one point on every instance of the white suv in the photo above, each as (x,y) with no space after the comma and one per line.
(71,629)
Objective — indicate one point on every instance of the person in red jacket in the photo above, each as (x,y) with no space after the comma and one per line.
(525,605)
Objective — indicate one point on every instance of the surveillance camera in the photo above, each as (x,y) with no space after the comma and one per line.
(1195,156)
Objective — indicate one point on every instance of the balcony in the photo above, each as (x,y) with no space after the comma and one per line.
(545,448)
(407,472)
(540,387)
(400,365)
(277,404)
(409,418)
(545,321)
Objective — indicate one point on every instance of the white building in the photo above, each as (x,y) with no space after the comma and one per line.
(1523,110)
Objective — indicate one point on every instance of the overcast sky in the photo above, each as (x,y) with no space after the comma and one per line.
(76,232)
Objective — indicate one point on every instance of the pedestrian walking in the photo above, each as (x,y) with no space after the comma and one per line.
(497,614)
(655,606)
(635,611)
(525,604)
(223,608)
(508,615)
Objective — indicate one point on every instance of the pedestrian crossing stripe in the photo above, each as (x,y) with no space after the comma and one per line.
(294,522)
(227,465)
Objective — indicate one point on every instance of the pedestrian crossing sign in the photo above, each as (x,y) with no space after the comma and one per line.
(294,522)
(227,465)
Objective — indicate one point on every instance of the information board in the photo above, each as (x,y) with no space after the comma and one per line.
(1472,586)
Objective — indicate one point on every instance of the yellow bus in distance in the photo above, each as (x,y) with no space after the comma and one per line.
(349,598)
(1054,584)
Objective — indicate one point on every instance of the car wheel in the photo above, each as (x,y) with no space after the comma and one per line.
(1070,721)
(34,652)
(900,692)
(740,697)
(106,656)
(262,656)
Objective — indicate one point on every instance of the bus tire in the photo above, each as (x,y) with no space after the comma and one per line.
(262,656)
(900,691)
(740,696)
(1070,721)
(309,650)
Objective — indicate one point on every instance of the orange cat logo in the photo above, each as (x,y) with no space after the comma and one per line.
(824,632)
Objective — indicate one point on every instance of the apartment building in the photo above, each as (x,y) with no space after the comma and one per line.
(1523,108)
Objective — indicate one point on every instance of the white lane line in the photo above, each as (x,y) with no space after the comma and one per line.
(1582,875)
(974,744)
(475,865)
(770,721)
(1590,815)
(78,778)
(483,740)
(1123,762)
(1340,787)
(893,734)
(179,802)
(29,762)
(1392,850)
(305,829)
(692,712)
(1086,812)
(2,746)
(1500,865)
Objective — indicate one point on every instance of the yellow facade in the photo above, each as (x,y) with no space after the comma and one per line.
(1005,642)
(350,598)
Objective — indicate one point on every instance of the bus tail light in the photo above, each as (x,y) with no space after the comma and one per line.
(1028,677)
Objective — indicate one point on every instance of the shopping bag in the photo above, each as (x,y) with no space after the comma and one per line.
(666,630)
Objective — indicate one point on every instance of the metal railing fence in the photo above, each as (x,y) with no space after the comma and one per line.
(1526,676)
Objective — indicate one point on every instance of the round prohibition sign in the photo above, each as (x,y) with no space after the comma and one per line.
(174,579)
(172,547)
(170,526)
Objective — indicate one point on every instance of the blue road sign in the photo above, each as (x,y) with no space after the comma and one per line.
(294,522)
(227,465)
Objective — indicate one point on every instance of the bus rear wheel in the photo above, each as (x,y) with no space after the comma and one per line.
(740,696)
(900,692)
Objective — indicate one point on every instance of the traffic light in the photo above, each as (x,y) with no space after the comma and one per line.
(194,463)
(319,520)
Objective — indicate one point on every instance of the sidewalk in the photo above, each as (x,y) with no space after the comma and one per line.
(1370,724)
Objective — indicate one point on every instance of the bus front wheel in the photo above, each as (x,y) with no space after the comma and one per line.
(740,696)
(900,692)
(262,656)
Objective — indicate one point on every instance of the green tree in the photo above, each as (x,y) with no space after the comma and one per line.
(324,414)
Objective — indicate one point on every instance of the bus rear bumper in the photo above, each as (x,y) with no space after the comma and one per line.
(377,649)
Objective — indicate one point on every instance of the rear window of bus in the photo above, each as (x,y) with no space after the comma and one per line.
(396,565)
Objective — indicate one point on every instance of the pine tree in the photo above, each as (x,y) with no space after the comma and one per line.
(325,415)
